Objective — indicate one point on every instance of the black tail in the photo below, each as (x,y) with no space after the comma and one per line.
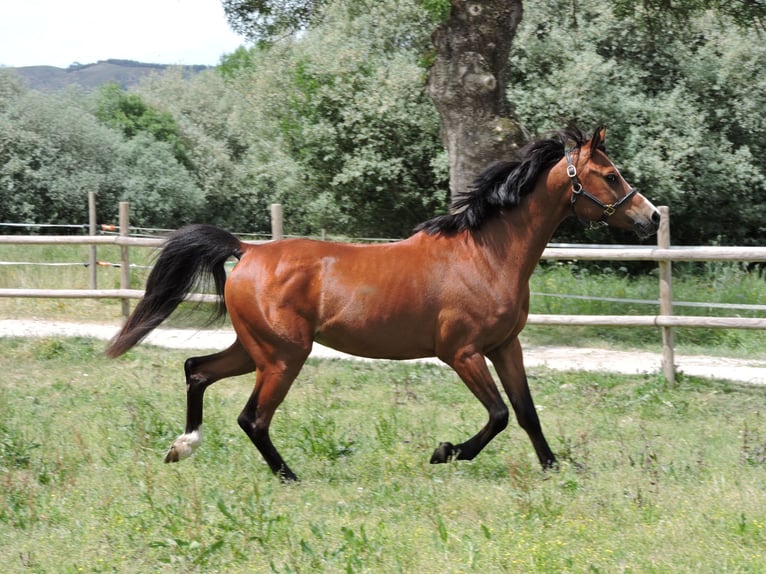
(190,254)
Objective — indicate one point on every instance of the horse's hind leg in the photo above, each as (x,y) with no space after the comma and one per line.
(201,372)
(509,363)
(271,386)
(475,374)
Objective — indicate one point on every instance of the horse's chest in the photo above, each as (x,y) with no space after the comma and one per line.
(504,317)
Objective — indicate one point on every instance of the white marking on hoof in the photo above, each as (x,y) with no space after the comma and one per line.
(184,446)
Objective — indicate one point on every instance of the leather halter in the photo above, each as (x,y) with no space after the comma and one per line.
(608,209)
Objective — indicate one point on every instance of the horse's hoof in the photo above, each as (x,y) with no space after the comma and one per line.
(183,447)
(172,454)
(445,452)
(286,476)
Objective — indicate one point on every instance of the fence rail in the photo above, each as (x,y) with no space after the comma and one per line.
(664,255)
(604,253)
(80,240)
(593,253)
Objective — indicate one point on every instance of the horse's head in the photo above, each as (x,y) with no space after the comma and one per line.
(600,195)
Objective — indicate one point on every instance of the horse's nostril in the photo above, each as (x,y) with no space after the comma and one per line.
(656,217)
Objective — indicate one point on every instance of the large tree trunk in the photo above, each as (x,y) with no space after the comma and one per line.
(467,83)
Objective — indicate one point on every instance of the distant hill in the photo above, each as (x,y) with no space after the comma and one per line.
(89,76)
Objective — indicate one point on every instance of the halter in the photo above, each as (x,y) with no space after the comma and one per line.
(608,209)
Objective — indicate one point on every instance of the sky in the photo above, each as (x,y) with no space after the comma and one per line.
(62,32)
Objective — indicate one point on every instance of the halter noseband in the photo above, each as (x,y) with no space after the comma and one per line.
(608,209)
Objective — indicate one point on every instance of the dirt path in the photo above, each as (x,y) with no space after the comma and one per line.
(560,358)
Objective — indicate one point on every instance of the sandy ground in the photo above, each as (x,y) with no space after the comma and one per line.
(559,358)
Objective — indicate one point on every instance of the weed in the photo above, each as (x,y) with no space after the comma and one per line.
(753,444)
(147,425)
(387,431)
(74,348)
(321,438)
(575,452)
(15,450)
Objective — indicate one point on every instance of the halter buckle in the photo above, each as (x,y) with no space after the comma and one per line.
(571,170)
(609,210)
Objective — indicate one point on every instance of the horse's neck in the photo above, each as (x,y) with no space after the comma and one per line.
(523,232)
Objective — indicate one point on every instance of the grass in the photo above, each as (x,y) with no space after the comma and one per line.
(75,276)
(668,479)
(696,283)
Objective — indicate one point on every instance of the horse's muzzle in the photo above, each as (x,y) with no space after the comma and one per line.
(646,227)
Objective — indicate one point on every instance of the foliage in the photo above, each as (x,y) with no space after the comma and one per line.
(438,9)
(678,103)
(233,63)
(54,150)
(658,14)
(158,188)
(131,115)
(85,488)
(11,87)
(268,20)
(51,155)
(350,118)
(212,122)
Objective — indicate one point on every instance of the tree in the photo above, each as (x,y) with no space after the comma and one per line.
(467,82)
(676,81)
(161,192)
(341,119)
(264,20)
(130,114)
(467,78)
(11,88)
(54,151)
(656,15)
(209,112)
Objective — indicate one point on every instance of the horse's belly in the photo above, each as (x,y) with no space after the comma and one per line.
(377,340)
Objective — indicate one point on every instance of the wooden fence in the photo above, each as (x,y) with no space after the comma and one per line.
(663,254)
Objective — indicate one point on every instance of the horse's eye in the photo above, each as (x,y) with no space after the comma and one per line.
(611,178)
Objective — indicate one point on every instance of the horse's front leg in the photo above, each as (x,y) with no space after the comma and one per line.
(201,372)
(509,364)
(472,369)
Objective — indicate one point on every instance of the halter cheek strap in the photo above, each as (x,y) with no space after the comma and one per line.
(608,209)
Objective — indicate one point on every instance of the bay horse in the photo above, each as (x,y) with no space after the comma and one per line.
(457,289)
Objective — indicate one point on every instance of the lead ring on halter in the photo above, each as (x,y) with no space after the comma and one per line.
(608,209)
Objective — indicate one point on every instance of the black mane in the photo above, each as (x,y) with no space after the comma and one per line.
(502,184)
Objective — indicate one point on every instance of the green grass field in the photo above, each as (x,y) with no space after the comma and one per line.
(669,479)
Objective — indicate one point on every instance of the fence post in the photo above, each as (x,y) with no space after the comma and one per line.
(92,260)
(276,221)
(666,297)
(124,255)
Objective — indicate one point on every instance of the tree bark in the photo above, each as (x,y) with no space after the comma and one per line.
(467,83)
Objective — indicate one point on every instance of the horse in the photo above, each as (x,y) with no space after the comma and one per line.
(456,289)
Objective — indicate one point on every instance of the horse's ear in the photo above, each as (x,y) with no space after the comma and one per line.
(598,138)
